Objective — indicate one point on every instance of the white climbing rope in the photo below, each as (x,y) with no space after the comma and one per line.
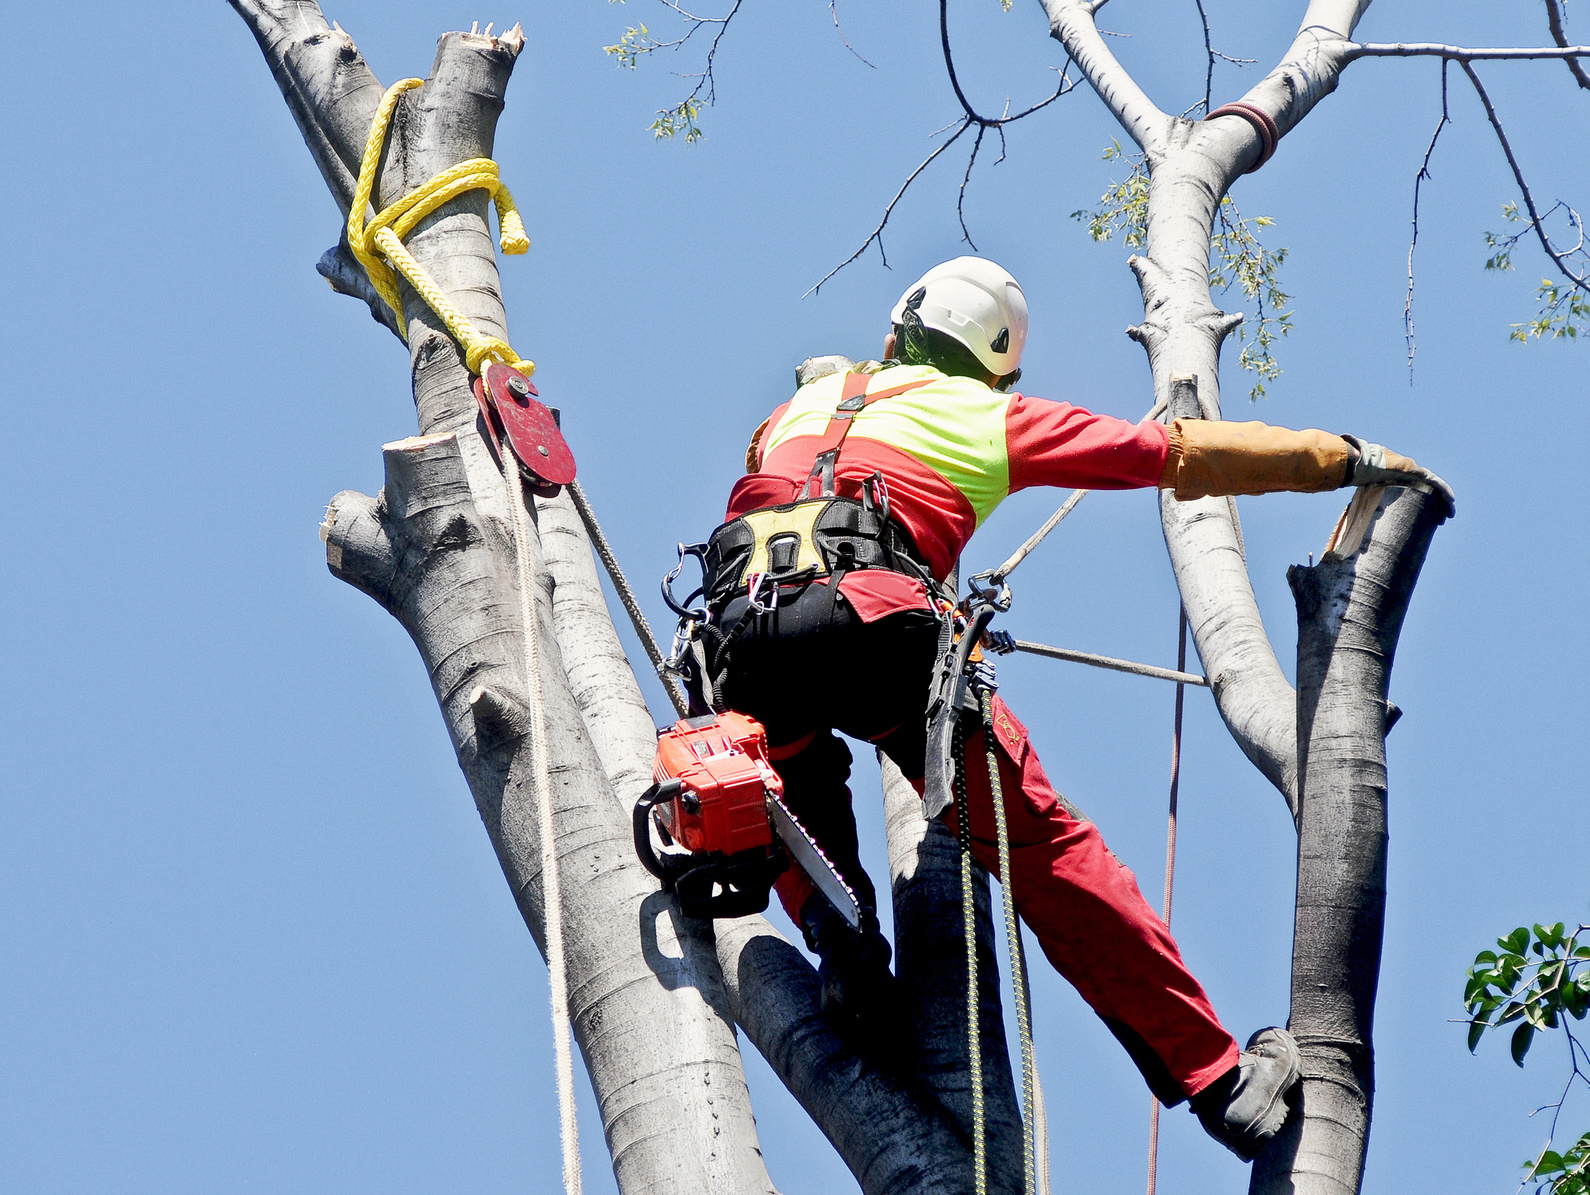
(541,783)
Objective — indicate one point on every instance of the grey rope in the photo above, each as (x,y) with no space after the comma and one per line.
(1110,662)
(1029,1066)
(626,594)
(1070,504)
(541,786)
(974,1039)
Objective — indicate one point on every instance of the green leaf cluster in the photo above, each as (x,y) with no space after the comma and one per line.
(1564,311)
(1502,260)
(1236,258)
(1565,1173)
(1508,987)
(637,40)
(680,120)
(1123,208)
(1535,979)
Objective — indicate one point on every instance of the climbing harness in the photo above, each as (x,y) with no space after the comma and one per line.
(516,426)
(821,536)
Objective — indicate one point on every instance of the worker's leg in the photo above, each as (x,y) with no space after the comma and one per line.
(1088,915)
(815,769)
(810,664)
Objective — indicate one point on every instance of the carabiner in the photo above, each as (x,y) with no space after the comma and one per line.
(699,551)
(983,587)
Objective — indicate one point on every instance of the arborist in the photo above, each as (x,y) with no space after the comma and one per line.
(825,617)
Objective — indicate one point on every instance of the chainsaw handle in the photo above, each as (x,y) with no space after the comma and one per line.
(667,790)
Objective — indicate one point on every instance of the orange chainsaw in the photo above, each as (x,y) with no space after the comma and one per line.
(717,806)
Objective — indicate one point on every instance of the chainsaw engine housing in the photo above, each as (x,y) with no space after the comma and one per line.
(709,802)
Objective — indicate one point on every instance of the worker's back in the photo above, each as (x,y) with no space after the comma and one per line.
(950,449)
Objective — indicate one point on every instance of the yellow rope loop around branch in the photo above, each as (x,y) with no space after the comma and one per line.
(377,242)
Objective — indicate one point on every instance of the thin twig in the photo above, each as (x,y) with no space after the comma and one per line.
(1554,20)
(1579,280)
(1418,180)
(834,12)
(1459,53)
(707,77)
(1209,53)
(877,233)
(960,200)
(970,116)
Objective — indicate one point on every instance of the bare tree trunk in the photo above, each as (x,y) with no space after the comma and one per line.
(1350,613)
(1324,747)
(649,1008)
(653,995)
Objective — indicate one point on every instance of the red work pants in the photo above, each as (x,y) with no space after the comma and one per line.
(812,667)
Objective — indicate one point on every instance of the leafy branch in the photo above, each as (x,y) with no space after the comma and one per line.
(638,41)
(1564,308)
(1236,258)
(1533,994)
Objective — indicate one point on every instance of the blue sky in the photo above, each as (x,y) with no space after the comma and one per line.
(254,937)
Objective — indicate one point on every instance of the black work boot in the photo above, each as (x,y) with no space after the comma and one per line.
(853,963)
(1246,1106)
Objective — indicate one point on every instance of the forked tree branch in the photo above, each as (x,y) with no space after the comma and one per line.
(1071,23)
(1554,21)
(970,117)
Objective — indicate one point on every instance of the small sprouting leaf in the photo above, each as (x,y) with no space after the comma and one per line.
(1477,1030)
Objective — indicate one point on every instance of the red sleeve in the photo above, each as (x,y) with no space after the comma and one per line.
(765,432)
(1054,443)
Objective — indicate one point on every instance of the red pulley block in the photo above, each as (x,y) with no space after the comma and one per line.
(513,416)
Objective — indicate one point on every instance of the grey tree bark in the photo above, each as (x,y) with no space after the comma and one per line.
(654,996)
(1323,747)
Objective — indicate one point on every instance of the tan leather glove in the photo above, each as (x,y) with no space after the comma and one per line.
(1213,456)
(1374,464)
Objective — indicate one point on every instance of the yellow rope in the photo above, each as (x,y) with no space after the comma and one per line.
(378,243)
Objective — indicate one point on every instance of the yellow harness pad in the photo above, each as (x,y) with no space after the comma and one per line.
(767,525)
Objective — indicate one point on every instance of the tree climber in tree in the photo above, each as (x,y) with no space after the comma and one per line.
(825,617)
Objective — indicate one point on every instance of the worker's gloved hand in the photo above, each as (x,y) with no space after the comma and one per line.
(1374,464)
(854,964)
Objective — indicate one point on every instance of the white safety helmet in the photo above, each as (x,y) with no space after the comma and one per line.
(976,302)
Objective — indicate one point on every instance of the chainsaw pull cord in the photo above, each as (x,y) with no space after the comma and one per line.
(375,244)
